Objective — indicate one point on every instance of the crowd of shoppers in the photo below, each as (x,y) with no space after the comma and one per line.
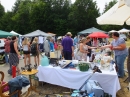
(67,46)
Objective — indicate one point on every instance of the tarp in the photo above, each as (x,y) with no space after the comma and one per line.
(4,34)
(90,30)
(13,32)
(36,33)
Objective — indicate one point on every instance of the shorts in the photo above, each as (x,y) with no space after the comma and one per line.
(13,59)
(26,52)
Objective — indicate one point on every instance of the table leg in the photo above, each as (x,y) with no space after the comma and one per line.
(31,88)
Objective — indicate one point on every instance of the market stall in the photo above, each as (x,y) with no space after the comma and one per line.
(4,34)
(73,76)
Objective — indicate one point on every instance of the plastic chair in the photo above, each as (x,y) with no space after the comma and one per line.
(6,94)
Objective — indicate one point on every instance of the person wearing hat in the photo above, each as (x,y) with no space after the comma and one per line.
(7,49)
(47,46)
(67,46)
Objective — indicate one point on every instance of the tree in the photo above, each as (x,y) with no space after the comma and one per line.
(6,21)
(16,6)
(83,15)
(109,5)
(2,11)
(60,10)
(21,18)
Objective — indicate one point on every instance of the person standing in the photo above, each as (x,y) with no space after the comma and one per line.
(14,54)
(51,45)
(67,46)
(75,41)
(89,43)
(7,49)
(47,46)
(83,49)
(35,51)
(120,52)
(26,51)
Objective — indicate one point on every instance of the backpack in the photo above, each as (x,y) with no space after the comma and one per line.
(33,48)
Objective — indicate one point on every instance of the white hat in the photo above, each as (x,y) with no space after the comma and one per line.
(59,37)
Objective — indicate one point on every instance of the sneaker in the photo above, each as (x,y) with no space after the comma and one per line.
(35,66)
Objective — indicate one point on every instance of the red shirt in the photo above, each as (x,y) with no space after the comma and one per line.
(7,46)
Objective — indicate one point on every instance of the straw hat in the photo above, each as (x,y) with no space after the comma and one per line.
(69,33)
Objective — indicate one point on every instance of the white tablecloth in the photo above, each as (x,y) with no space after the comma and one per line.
(74,78)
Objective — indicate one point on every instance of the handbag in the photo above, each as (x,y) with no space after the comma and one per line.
(79,53)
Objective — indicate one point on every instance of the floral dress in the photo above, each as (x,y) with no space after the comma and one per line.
(84,56)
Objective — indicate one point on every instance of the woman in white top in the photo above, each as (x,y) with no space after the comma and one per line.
(83,48)
(26,51)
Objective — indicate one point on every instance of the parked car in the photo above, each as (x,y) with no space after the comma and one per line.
(2,43)
(123,36)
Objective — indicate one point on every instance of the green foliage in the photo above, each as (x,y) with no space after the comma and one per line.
(6,21)
(2,10)
(56,16)
(21,18)
(110,27)
(109,5)
(83,15)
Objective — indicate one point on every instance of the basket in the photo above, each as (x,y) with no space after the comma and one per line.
(83,66)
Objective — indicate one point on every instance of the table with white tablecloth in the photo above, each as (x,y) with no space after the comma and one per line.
(73,78)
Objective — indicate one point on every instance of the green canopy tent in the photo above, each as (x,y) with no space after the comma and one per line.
(90,30)
(4,34)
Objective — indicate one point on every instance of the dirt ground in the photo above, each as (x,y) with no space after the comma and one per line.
(54,90)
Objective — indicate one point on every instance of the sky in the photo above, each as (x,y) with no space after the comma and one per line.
(9,3)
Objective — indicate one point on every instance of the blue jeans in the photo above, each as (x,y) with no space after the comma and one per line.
(6,57)
(120,59)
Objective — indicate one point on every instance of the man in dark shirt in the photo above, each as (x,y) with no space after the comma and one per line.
(68,48)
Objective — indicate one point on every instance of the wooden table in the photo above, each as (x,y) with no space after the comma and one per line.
(31,88)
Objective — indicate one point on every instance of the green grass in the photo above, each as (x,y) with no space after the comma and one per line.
(128,43)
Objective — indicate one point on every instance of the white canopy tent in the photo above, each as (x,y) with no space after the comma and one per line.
(116,15)
(112,31)
(124,30)
(19,38)
(15,33)
(37,33)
